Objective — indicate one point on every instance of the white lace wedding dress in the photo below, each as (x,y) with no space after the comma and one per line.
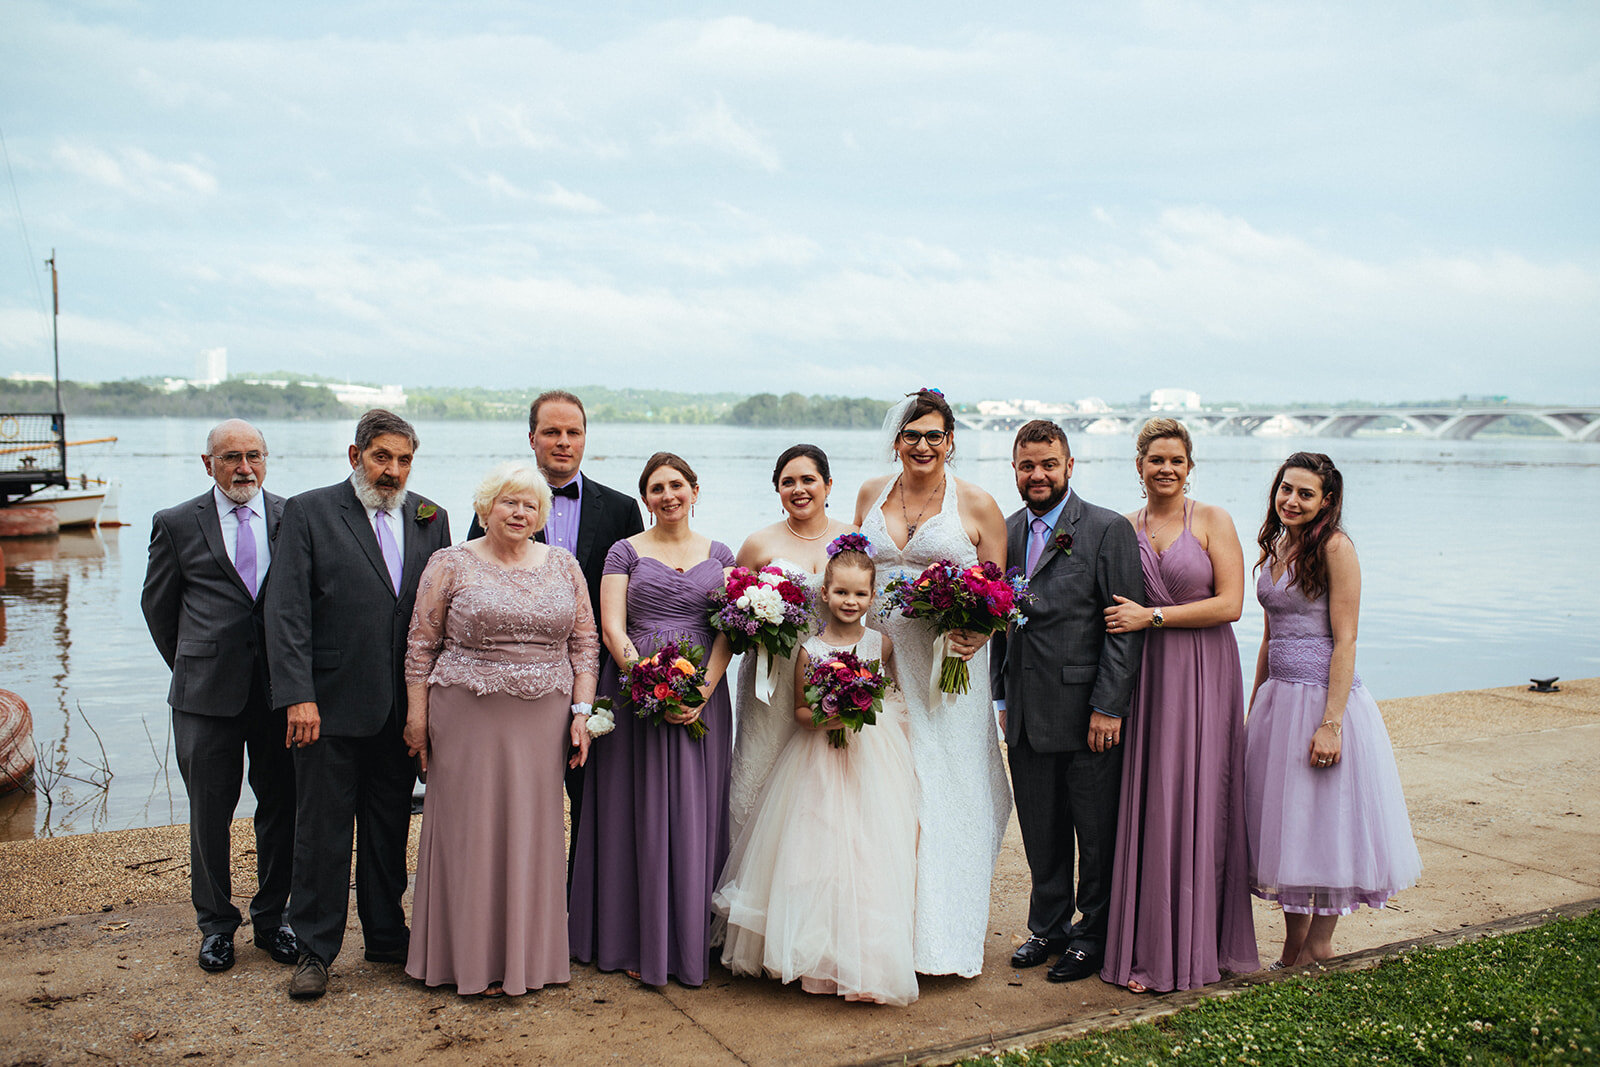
(965,799)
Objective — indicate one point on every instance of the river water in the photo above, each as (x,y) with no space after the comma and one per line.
(1478,565)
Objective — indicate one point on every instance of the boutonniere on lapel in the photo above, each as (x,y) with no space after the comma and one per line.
(1063,543)
(426,513)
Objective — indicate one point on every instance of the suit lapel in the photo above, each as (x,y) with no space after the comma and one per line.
(417,550)
(355,517)
(588,523)
(1066,523)
(205,513)
(1017,539)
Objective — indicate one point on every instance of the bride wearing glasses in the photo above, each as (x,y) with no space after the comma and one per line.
(915,517)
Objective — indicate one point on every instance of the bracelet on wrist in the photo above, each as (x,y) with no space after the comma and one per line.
(581,709)
(1338,730)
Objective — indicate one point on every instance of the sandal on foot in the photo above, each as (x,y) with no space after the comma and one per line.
(1135,986)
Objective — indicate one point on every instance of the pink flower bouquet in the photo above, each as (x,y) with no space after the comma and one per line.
(761,609)
(843,685)
(981,598)
(668,683)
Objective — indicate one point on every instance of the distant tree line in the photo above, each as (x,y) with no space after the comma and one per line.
(230,399)
(795,409)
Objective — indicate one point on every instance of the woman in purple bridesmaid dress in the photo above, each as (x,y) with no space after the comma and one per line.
(1180,893)
(654,830)
(1327,822)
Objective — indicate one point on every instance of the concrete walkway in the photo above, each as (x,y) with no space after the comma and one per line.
(1500,784)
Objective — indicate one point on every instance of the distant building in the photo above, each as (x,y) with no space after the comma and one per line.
(1171,400)
(23,376)
(211,368)
(392,397)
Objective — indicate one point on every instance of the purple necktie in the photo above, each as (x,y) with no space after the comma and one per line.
(1036,543)
(244,549)
(391,551)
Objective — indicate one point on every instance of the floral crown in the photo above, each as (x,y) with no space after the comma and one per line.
(850,542)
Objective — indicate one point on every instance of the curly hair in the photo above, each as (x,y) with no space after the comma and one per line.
(1310,556)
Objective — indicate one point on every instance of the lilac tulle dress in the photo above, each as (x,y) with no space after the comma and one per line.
(1180,888)
(654,830)
(1323,840)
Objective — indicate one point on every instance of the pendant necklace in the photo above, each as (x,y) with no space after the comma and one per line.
(911,526)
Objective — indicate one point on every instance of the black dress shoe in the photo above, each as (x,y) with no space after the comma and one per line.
(1034,951)
(1074,964)
(310,978)
(216,952)
(280,944)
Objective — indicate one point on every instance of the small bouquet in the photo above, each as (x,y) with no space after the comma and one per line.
(668,682)
(765,610)
(843,685)
(981,598)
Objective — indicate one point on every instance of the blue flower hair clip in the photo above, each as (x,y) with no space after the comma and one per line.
(930,389)
(850,542)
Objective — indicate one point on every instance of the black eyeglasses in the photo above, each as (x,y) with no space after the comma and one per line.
(232,458)
(933,437)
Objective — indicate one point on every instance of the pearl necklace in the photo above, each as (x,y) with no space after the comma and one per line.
(802,536)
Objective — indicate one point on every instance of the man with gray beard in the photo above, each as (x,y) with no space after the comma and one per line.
(202,602)
(346,563)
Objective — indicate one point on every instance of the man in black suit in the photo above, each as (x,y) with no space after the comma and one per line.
(202,602)
(1062,685)
(586,518)
(345,569)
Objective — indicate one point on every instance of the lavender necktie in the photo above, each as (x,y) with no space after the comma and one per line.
(1036,543)
(244,549)
(391,550)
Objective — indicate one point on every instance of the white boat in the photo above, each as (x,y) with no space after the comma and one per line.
(73,507)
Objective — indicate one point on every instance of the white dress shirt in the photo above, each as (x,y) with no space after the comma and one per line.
(258,527)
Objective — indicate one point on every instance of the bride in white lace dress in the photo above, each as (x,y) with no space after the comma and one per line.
(913,518)
(797,543)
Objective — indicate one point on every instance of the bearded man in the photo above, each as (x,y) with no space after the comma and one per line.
(345,569)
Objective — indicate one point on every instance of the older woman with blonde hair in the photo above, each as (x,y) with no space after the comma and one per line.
(500,674)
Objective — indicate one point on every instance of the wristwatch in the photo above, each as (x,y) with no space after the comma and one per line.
(1157,619)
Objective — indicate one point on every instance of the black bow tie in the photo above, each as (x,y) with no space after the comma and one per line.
(570,490)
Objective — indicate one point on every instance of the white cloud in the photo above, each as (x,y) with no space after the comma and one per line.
(716,127)
(558,196)
(134,171)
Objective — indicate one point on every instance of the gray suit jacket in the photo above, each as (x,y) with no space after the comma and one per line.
(200,615)
(1052,671)
(336,631)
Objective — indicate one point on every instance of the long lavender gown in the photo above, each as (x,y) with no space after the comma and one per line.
(1180,892)
(1323,840)
(654,830)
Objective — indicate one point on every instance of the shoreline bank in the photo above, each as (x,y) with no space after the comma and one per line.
(99,935)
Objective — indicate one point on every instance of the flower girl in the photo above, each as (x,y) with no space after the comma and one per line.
(821,885)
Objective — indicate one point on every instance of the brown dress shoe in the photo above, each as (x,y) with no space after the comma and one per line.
(310,978)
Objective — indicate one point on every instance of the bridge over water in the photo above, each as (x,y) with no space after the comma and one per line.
(1573,423)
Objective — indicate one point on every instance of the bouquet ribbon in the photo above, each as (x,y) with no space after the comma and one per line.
(766,683)
(937,697)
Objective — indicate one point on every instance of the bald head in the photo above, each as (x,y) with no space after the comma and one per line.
(236,459)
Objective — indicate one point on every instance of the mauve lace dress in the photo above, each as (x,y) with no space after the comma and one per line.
(654,830)
(499,649)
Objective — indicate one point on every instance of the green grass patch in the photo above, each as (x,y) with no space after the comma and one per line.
(1528,997)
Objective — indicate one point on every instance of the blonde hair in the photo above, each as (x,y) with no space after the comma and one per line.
(1159,428)
(512,476)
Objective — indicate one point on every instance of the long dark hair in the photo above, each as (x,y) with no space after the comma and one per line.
(1310,558)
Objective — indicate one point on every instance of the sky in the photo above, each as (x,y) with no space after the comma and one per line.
(1257,201)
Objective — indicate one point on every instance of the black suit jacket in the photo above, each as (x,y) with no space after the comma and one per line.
(1059,666)
(605,517)
(336,630)
(202,618)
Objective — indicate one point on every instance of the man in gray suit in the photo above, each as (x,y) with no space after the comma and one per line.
(345,569)
(1061,685)
(202,602)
